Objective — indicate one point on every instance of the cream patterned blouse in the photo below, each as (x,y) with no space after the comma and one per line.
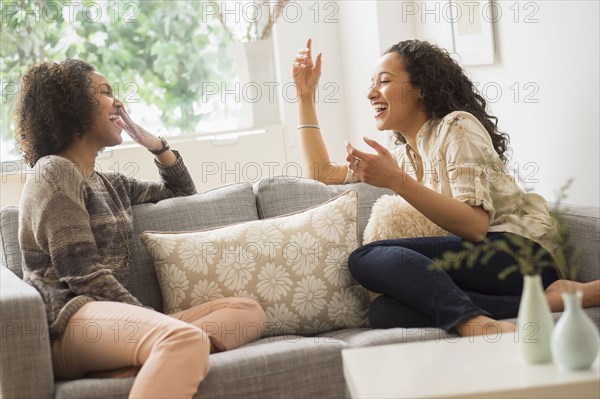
(459,161)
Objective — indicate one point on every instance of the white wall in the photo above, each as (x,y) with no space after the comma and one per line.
(557,136)
(352,39)
(322,22)
(553,139)
(557,57)
(560,134)
(212,163)
(360,50)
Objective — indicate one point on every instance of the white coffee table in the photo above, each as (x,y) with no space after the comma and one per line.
(461,367)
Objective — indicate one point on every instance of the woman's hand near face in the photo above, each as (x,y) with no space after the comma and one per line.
(138,133)
(306,72)
(380,169)
(146,139)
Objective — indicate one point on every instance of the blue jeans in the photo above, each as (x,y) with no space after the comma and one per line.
(414,295)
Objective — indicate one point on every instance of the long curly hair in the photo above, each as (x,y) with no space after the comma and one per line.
(446,88)
(56,103)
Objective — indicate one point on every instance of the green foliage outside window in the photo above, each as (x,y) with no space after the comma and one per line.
(157,52)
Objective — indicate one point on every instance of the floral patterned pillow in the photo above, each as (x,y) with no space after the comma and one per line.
(295,266)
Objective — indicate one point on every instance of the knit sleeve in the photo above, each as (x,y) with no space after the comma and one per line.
(175,181)
(62,231)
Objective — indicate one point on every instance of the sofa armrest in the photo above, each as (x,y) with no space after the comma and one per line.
(25,359)
(584,226)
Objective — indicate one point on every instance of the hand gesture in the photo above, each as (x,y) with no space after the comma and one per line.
(305,72)
(138,133)
(380,170)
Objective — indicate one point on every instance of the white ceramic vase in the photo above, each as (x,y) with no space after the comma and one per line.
(575,338)
(535,322)
(258,89)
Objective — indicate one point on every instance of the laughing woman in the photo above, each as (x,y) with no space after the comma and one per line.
(75,230)
(444,134)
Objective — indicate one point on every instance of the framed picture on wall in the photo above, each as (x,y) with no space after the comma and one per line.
(473,31)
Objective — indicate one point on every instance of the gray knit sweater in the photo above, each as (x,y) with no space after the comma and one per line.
(72,232)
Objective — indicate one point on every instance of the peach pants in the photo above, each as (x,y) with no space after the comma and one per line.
(172,350)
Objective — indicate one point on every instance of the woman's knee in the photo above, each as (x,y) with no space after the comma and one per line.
(257,312)
(248,311)
(188,341)
(359,262)
(253,311)
(248,305)
(240,321)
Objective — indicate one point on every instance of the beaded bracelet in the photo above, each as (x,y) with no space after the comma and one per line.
(308,126)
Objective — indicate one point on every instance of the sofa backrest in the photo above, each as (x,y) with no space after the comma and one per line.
(226,205)
(268,198)
(584,227)
(230,204)
(283,194)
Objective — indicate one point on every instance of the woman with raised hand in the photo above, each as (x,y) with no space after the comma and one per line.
(75,232)
(450,166)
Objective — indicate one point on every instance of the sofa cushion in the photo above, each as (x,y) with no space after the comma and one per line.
(280,367)
(293,367)
(222,206)
(363,337)
(281,195)
(295,266)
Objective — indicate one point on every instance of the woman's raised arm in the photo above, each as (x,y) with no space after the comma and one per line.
(316,162)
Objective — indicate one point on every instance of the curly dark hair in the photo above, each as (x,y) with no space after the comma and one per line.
(56,103)
(446,88)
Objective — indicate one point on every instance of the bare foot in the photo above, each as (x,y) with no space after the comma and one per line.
(481,325)
(124,372)
(554,291)
(590,291)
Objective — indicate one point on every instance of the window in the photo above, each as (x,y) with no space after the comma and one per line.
(160,56)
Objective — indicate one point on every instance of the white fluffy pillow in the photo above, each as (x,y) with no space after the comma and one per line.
(295,266)
(393,217)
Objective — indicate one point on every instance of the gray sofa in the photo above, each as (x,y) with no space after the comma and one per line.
(282,367)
